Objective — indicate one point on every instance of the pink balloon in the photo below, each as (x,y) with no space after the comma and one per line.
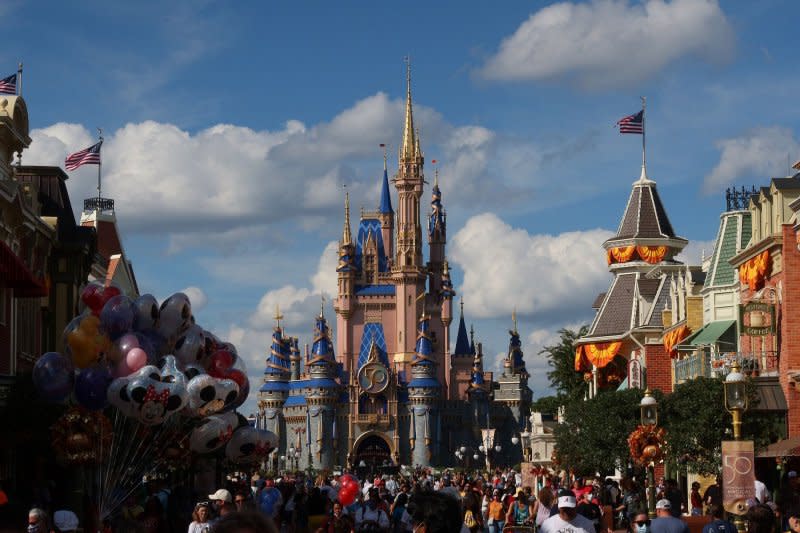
(136,359)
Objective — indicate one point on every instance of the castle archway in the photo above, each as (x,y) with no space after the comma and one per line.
(372,452)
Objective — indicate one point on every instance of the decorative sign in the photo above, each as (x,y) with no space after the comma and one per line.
(757,319)
(373,377)
(738,476)
(528,471)
(634,374)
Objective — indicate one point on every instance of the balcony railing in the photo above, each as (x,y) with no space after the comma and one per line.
(373,419)
(99,204)
(703,364)
(695,366)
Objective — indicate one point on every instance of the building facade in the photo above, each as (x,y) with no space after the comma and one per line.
(389,391)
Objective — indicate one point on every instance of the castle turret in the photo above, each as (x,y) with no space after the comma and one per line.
(408,271)
(275,389)
(423,394)
(346,273)
(478,393)
(323,393)
(294,359)
(437,232)
(386,213)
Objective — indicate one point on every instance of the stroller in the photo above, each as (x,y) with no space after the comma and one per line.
(513,528)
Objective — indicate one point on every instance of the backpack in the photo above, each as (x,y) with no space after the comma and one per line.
(469,519)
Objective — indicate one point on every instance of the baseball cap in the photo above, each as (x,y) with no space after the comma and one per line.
(663,504)
(221,494)
(65,520)
(566,499)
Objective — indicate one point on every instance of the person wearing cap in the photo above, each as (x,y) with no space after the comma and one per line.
(219,499)
(65,521)
(567,518)
(665,522)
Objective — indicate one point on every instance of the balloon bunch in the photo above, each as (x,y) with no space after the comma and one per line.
(348,489)
(165,377)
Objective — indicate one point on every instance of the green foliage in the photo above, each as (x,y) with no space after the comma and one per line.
(561,358)
(593,437)
(696,423)
(547,404)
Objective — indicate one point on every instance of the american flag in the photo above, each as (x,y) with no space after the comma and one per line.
(89,156)
(8,85)
(632,123)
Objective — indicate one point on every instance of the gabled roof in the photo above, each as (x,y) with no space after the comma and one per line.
(370,229)
(732,236)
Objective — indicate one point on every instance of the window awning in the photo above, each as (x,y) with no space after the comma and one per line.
(717,332)
(783,448)
(14,274)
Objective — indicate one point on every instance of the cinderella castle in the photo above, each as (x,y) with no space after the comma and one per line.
(390,392)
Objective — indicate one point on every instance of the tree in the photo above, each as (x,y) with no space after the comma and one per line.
(696,421)
(561,358)
(593,437)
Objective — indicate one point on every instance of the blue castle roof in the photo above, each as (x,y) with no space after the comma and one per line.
(462,340)
(278,360)
(366,228)
(373,332)
(274,386)
(515,352)
(424,347)
(322,349)
(386,198)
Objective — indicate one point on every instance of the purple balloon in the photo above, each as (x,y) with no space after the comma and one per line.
(91,387)
(116,318)
(53,377)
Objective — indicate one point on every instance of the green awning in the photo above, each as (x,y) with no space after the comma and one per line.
(719,332)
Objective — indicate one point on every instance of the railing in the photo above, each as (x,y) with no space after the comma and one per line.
(703,364)
(99,204)
(694,366)
(373,419)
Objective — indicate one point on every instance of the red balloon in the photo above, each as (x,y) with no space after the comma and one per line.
(347,496)
(220,363)
(237,376)
(95,296)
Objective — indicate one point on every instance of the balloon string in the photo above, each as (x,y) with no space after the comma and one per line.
(119,460)
(115,442)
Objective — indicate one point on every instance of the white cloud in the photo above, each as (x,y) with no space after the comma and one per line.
(695,251)
(197,297)
(758,154)
(324,281)
(542,276)
(611,43)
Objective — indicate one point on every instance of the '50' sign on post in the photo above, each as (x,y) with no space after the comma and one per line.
(738,477)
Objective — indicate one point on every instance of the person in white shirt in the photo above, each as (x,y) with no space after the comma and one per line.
(762,494)
(567,520)
(371,516)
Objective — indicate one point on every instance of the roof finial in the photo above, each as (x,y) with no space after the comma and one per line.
(643,177)
(514,318)
(462,305)
(435,173)
(322,306)
(278,316)
(385,154)
(346,237)
(472,334)
(420,297)
(408,150)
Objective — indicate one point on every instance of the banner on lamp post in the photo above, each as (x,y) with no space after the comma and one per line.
(738,476)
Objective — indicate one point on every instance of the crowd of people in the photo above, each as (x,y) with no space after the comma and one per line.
(424,502)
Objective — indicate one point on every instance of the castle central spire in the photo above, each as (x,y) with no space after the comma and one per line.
(409,148)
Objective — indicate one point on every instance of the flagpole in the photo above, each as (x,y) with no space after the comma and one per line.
(643,177)
(19,79)
(99,167)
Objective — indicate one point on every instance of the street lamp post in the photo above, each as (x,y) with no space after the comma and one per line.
(736,403)
(736,398)
(649,417)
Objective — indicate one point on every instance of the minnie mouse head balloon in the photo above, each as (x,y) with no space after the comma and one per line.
(214,432)
(156,400)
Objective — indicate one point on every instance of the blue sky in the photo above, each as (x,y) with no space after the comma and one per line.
(232,127)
